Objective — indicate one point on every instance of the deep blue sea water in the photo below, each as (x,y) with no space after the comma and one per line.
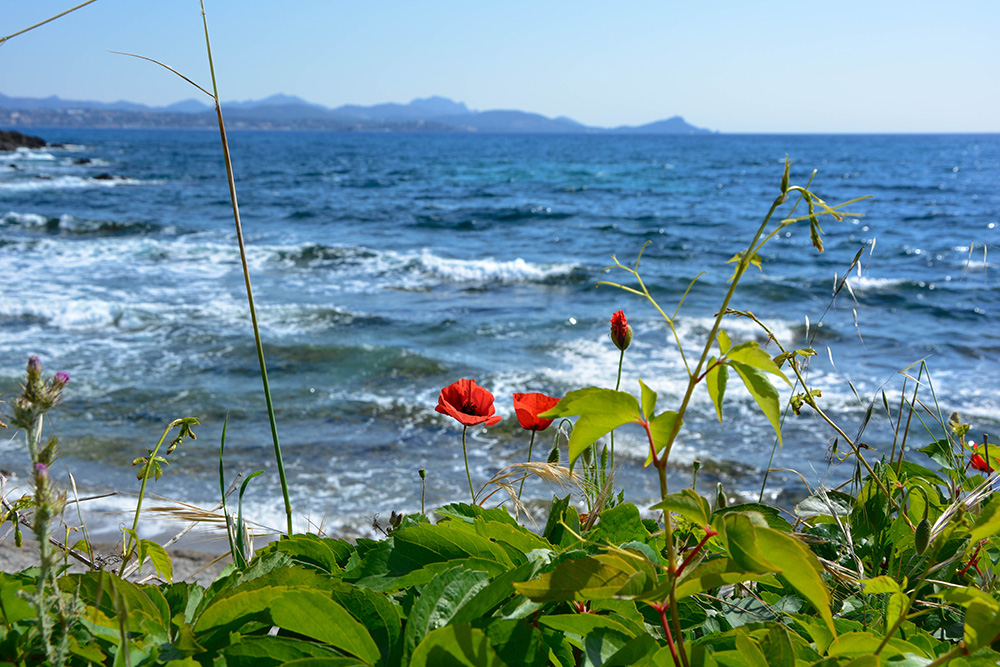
(386,266)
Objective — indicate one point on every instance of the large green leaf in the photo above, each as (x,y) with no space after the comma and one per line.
(313,551)
(661,427)
(707,576)
(273,651)
(593,578)
(456,646)
(305,612)
(374,611)
(599,411)
(582,625)
(470,513)
(428,543)
(752,354)
(498,590)
(760,387)
(618,525)
(799,566)
(715,382)
(688,504)
(987,523)
(440,599)
(519,537)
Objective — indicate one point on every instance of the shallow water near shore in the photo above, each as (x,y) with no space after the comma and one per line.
(386,266)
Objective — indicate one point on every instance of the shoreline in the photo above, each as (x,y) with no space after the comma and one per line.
(190,563)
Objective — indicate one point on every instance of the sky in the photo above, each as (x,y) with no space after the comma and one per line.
(848,66)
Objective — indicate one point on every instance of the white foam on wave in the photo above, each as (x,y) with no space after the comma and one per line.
(490,269)
(64,183)
(28,154)
(867,283)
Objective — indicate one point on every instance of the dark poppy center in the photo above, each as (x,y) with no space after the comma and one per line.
(468,409)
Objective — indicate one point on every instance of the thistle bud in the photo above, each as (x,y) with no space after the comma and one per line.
(621,332)
(34,366)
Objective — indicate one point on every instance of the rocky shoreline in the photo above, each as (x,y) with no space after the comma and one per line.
(11,141)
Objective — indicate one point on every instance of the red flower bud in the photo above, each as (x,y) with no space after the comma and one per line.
(621,332)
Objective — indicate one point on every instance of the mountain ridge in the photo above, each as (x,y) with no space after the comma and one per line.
(282,111)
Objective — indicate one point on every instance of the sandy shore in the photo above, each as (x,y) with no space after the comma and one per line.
(190,565)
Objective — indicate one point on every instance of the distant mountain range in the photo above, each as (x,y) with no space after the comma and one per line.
(290,112)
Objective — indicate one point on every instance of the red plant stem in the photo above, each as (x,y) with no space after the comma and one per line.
(662,610)
(709,533)
(973,560)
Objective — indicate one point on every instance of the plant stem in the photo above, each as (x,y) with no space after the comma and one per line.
(531,444)
(146,471)
(246,279)
(618,384)
(465,456)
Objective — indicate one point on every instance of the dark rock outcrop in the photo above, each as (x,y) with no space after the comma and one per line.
(10,141)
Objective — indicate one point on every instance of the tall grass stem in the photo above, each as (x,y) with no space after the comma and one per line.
(246,279)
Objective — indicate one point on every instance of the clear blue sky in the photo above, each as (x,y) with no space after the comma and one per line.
(745,66)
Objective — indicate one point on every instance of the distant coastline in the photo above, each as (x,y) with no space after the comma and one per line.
(282,112)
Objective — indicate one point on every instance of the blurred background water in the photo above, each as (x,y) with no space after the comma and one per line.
(386,266)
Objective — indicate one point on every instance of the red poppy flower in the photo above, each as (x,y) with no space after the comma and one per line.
(467,402)
(979,463)
(527,407)
(621,332)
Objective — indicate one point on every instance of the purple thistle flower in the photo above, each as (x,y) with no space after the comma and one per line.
(62,378)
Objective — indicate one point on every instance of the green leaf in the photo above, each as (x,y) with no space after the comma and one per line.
(709,575)
(940,452)
(440,599)
(715,382)
(688,504)
(982,624)
(272,651)
(724,342)
(882,584)
(469,513)
(419,545)
(302,611)
(159,557)
(770,514)
(799,566)
(741,541)
(987,523)
(323,554)
(582,625)
(661,426)
(752,354)
(776,646)
(562,523)
(763,392)
(456,646)
(593,578)
(827,503)
(648,401)
(749,650)
(600,411)
(618,525)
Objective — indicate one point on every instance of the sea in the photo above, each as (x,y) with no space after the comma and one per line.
(386,266)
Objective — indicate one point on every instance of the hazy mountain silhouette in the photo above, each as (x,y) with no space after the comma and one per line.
(291,112)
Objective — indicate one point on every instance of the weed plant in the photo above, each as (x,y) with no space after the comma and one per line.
(895,567)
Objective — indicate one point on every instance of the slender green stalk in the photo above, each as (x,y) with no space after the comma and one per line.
(465,455)
(48,20)
(246,279)
(147,471)
(618,384)
(531,444)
